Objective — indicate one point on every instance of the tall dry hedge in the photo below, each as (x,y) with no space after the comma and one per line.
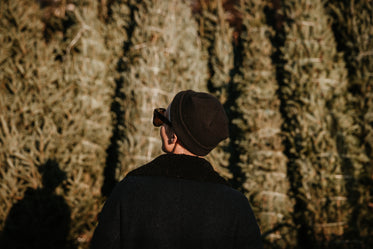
(164,57)
(55,124)
(313,100)
(29,129)
(258,123)
(353,27)
(217,43)
(88,74)
(118,29)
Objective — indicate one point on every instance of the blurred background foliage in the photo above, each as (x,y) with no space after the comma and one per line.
(79,80)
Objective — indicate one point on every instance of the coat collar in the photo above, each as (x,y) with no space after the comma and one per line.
(181,167)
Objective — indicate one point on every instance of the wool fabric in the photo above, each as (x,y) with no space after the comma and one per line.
(199,121)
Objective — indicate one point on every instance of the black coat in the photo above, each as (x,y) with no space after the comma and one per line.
(176,201)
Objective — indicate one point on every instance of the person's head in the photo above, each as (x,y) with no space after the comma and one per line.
(194,123)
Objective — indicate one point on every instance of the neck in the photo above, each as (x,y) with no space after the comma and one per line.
(180,150)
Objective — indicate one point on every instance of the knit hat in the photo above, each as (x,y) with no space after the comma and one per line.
(199,121)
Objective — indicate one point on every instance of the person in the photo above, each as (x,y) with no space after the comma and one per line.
(178,200)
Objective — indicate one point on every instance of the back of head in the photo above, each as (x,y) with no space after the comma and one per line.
(199,121)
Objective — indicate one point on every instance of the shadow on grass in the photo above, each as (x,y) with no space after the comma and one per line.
(42,218)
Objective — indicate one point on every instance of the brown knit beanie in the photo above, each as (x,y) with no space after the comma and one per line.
(199,121)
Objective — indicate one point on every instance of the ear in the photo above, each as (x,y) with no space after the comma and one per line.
(172,138)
